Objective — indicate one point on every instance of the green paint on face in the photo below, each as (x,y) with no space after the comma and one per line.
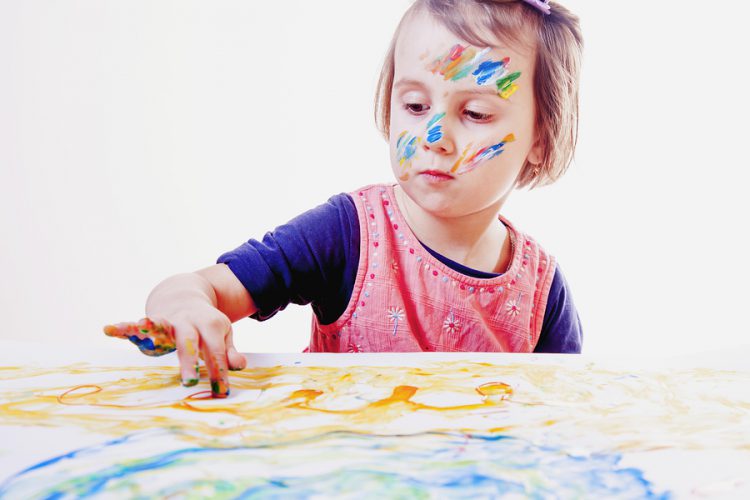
(505,85)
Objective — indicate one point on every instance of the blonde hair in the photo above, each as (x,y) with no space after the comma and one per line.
(559,46)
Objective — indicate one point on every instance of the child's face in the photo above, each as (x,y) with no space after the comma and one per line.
(462,119)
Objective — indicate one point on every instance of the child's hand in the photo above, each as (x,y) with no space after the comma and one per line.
(216,348)
(193,313)
(153,339)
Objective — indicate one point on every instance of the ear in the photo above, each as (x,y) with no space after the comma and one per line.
(536,154)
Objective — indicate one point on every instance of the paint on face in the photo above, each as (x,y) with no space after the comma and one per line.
(461,158)
(457,63)
(406,148)
(461,61)
(505,85)
(434,131)
(490,69)
(464,165)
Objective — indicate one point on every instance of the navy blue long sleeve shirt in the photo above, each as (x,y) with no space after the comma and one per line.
(313,259)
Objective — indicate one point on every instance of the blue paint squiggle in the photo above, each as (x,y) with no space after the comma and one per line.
(434,131)
(426,464)
(487,70)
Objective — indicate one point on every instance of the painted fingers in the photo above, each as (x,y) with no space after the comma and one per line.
(152,338)
(212,341)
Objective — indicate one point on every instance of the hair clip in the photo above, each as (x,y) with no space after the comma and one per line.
(542,5)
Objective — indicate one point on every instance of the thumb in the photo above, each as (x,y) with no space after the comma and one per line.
(236,360)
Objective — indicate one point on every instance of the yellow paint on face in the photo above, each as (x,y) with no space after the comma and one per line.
(509,91)
(461,158)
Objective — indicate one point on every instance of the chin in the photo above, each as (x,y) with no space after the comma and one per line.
(438,203)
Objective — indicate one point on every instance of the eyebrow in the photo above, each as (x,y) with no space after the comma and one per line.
(480,90)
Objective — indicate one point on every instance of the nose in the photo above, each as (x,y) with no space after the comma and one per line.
(442,146)
(438,139)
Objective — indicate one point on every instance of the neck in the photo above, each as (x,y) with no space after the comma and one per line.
(477,240)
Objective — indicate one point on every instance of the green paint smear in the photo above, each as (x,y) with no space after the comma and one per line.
(463,73)
(504,82)
(435,119)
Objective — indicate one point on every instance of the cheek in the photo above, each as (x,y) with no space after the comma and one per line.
(404,152)
(471,158)
(406,145)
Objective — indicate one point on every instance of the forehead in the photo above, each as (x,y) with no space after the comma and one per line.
(423,39)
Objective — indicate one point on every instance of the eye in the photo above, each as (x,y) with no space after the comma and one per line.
(477,116)
(417,109)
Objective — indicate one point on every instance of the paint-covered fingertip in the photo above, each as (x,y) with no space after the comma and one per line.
(189,382)
(111,330)
(220,395)
(219,389)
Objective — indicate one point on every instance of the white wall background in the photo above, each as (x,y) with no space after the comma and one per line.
(139,139)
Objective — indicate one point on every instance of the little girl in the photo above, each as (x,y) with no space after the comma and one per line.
(476,98)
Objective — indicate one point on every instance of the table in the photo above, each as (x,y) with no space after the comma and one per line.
(427,425)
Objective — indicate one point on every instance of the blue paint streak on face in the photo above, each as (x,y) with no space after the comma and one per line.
(491,152)
(486,70)
(410,148)
(145,344)
(406,149)
(434,134)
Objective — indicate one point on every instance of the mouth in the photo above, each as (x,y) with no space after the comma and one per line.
(436,175)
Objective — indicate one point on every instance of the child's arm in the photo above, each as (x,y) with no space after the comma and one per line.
(194,312)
